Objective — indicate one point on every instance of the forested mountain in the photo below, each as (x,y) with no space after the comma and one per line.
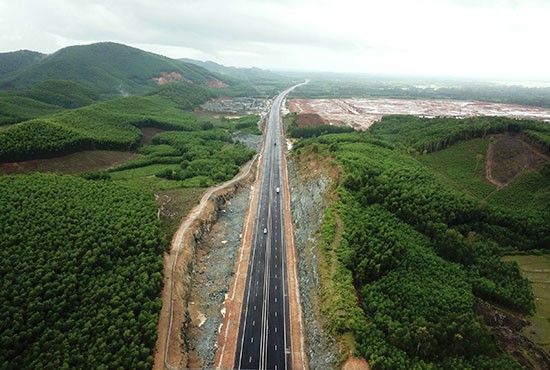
(108,68)
(16,60)
(235,72)
(248,81)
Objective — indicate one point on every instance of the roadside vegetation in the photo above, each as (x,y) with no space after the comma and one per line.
(418,246)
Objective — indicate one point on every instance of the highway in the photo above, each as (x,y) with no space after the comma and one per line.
(264,334)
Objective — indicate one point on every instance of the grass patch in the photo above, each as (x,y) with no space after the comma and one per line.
(462,166)
(133,173)
(174,205)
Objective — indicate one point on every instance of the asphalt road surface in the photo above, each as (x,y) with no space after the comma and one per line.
(264,331)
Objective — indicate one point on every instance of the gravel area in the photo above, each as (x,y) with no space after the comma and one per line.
(216,255)
(308,204)
(250,141)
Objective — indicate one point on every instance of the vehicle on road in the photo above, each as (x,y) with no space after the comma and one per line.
(265,231)
(277,189)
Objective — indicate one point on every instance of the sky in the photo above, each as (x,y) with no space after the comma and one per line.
(484,39)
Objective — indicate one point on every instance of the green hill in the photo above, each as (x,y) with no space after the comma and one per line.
(112,124)
(109,68)
(66,94)
(16,60)
(44,99)
(14,109)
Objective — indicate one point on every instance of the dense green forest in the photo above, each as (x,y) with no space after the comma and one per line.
(81,272)
(414,253)
(416,134)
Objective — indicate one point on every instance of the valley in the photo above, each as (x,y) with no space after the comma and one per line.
(411,218)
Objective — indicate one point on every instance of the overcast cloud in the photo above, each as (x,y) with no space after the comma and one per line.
(505,39)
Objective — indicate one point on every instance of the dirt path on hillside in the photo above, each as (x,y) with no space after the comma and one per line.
(168,353)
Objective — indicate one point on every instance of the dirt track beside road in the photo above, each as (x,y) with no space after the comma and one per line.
(170,347)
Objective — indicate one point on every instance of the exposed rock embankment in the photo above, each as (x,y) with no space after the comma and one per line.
(309,202)
(212,273)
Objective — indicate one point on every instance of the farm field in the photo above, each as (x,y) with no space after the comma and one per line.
(362,113)
(537,270)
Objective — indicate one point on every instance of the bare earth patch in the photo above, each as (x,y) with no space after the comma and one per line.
(148,133)
(167,77)
(217,84)
(356,363)
(508,156)
(309,119)
(362,113)
(86,161)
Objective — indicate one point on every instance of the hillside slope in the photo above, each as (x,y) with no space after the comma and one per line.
(234,72)
(109,68)
(246,81)
(16,60)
